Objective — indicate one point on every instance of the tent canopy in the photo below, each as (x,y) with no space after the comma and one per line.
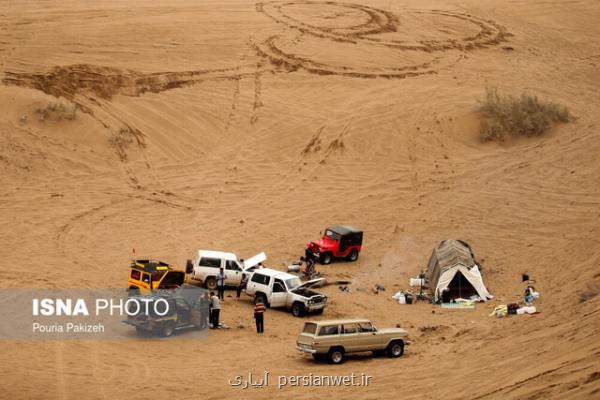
(452,268)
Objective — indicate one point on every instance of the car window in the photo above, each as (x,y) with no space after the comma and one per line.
(210,262)
(262,279)
(293,282)
(366,327)
(145,278)
(350,328)
(332,235)
(310,327)
(278,286)
(135,275)
(232,265)
(328,330)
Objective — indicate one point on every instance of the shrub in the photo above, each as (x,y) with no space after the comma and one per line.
(592,291)
(519,116)
(121,140)
(57,111)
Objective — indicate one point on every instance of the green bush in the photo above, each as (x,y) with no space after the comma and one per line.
(519,116)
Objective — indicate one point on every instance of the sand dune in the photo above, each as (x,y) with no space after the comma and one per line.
(249,126)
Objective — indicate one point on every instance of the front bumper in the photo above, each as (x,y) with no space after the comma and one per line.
(315,307)
(304,349)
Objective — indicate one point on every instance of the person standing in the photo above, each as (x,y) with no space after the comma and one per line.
(259,313)
(310,259)
(204,311)
(242,285)
(221,277)
(215,310)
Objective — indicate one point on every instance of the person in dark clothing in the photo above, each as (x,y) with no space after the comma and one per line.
(242,285)
(221,277)
(310,259)
(215,310)
(259,313)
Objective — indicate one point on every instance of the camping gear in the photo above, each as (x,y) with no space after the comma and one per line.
(460,305)
(409,298)
(294,268)
(526,310)
(417,282)
(500,311)
(452,268)
(400,297)
(525,277)
(512,308)
(421,296)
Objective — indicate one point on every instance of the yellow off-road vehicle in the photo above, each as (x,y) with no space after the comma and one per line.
(146,275)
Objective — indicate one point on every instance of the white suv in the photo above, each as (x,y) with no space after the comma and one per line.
(280,289)
(207,263)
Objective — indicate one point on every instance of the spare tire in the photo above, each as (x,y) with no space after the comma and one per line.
(189,267)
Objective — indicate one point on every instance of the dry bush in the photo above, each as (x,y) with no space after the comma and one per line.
(519,116)
(592,291)
(125,136)
(121,141)
(57,111)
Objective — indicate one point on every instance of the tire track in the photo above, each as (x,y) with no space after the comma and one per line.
(365,34)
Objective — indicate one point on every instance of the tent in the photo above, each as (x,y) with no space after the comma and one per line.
(453,273)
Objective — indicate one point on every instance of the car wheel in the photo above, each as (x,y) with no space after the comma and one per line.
(211,283)
(167,329)
(325,258)
(336,355)
(395,349)
(298,309)
(353,256)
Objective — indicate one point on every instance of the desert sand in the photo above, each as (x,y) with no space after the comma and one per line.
(234,125)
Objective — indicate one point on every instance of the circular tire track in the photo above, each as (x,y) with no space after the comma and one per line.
(374,22)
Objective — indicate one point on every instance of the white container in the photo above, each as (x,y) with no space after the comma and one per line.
(402,299)
(414,282)
(293,268)
(526,310)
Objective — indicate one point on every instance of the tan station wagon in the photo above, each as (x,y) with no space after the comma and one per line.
(331,340)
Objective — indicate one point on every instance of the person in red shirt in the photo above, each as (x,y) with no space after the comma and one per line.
(259,311)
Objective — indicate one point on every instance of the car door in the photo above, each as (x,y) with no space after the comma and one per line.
(367,337)
(233,271)
(350,337)
(328,336)
(345,242)
(279,294)
(184,315)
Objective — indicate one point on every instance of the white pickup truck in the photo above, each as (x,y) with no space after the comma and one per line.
(207,264)
(280,289)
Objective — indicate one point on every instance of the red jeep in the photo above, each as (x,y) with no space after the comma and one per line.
(340,241)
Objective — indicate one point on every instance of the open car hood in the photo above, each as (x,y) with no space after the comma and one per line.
(253,261)
(311,283)
(172,279)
